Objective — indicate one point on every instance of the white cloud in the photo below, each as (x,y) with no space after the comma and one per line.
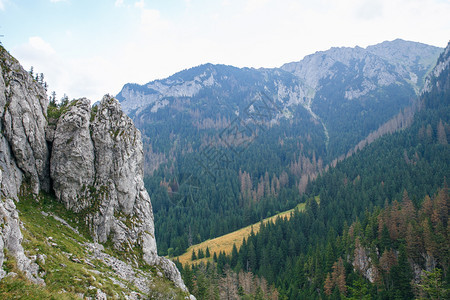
(140,4)
(2,5)
(369,9)
(253,5)
(150,17)
(55,1)
(76,77)
(38,44)
(118,3)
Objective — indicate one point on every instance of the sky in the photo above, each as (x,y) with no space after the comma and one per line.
(89,48)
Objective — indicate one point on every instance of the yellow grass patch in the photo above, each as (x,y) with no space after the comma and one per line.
(225,242)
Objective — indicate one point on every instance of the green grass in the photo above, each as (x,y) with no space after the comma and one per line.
(45,235)
(20,288)
(67,270)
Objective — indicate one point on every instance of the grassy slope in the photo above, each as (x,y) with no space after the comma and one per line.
(67,269)
(225,242)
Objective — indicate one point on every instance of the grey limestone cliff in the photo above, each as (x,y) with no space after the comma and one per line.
(96,167)
(23,106)
(72,161)
(90,158)
(23,155)
(383,64)
(442,64)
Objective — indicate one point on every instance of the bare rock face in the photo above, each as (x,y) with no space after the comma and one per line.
(125,209)
(96,168)
(11,240)
(72,161)
(23,155)
(10,174)
(24,121)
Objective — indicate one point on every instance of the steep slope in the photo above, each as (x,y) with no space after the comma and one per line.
(356,89)
(225,243)
(409,59)
(92,162)
(23,156)
(225,87)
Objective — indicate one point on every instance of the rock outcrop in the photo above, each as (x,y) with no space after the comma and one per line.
(96,167)
(442,64)
(91,159)
(23,155)
(23,109)
(72,160)
(11,240)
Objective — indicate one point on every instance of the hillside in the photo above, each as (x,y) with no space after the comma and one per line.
(379,231)
(226,147)
(226,242)
(71,263)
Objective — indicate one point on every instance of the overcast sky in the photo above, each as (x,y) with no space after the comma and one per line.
(89,48)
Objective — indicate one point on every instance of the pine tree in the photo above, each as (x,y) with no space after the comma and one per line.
(338,276)
(441,134)
(428,237)
(188,277)
(432,286)
(228,285)
(408,212)
(328,285)
(385,241)
(402,276)
(234,256)
(194,256)
(252,257)
(414,243)
(200,254)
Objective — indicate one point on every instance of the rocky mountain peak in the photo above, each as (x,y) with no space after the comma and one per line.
(382,64)
(437,77)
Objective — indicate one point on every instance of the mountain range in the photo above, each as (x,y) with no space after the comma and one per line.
(347,90)
(250,139)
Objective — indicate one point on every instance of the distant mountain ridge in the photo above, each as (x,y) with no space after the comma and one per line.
(358,84)
(285,125)
(407,59)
